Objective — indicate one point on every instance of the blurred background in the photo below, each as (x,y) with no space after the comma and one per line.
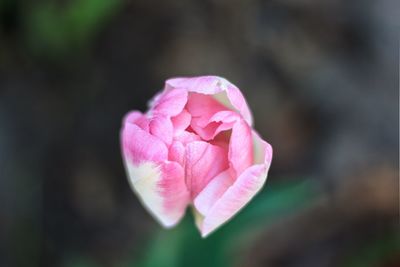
(321,77)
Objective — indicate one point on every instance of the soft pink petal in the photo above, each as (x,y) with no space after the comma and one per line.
(136,117)
(219,122)
(186,137)
(161,189)
(206,133)
(213,191)
(240,147)
(177,153)
(209,117)
(214,125)
(173,189)
(203,107)
(234,198)
(132,117)
(138,145)
(225,116)
(212,215)
(203,162)
(181,121)
(170,102)
(161,126)
(221,89)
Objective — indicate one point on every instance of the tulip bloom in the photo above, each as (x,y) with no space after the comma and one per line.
(195,147)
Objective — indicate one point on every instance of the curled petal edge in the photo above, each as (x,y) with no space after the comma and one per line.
(221,89)
(236,196)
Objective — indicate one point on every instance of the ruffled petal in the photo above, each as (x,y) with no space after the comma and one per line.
(209,117)
(136,117)
(221,89)
(219,122)
(203,107)
(132,117)
(161,127)
(170,102)
(186,137)
(181,121)
(212,215)
(140,146)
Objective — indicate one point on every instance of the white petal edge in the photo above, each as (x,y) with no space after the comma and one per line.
(222,211)
(143,180)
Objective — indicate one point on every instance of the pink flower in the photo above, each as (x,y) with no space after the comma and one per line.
(195,147)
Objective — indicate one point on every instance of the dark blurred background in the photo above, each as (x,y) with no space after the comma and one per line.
(321,77)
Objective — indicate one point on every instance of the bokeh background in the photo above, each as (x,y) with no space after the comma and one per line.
(321,77)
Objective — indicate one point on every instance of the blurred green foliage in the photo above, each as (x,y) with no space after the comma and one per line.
(183,245)
(53,28)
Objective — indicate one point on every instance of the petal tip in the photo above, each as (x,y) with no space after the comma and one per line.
(204,235)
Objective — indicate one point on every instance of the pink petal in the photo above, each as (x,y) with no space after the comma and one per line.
(213,192)
(235,198)
(132,117)
(221,89)
(170,102)
(173,189)
(136,117)
(226,116)
(138,145)
(203,107)
(161,127)
(177,153)
(219,122)
(186,137)
(212,215)
(240,147)
(203,162)
(161,189)
(181,121)
(209,117)
(206,133)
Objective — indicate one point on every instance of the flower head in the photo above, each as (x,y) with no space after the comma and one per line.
(195,146)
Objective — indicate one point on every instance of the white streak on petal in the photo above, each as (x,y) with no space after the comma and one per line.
(144,180)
